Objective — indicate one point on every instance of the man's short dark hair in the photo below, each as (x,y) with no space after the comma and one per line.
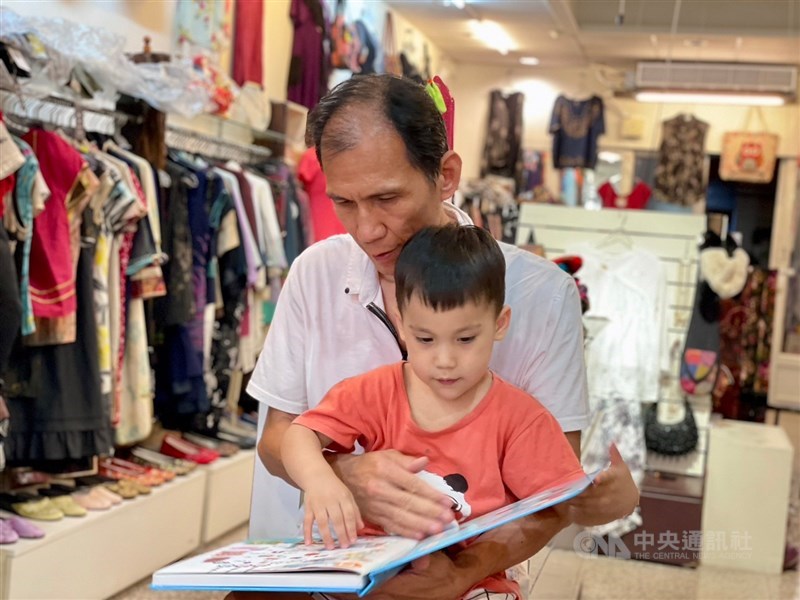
(449,266)
(404,104)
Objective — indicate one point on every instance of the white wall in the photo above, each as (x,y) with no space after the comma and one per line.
(471,85)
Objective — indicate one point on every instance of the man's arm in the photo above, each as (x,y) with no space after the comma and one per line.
(269,444)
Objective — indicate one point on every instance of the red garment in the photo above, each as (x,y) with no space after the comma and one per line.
(324,221)
(248,42)
(509,447)
(449,116)
(6,185)
(637,199)
(52,273)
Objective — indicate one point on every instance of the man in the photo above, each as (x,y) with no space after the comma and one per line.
(382,145)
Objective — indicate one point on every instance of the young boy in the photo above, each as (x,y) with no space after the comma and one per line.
(488,442)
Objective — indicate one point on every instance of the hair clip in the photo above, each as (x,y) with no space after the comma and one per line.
(436,94)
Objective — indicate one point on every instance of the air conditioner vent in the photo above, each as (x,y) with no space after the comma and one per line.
(721,77)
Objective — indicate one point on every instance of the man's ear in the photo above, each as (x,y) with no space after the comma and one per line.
(502,323)
(450,173)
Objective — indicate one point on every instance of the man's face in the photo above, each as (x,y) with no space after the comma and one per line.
(380,198)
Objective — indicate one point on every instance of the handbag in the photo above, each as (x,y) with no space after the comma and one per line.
(673,439)
(391,60)
(749,156)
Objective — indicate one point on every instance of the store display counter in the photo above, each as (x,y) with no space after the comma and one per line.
(229,485)
(103,553)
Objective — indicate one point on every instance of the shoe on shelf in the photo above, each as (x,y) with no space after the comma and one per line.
(122,488)
(118,472)
(162,461)
(24,528)
(68,506)
(225,449)
(244,442)
(31,507)
(7,533)
(158,476)
(180,448)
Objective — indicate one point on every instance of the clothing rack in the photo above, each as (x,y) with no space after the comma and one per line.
(194,142)
(62,112)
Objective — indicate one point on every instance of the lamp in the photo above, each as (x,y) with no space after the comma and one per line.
(492,34)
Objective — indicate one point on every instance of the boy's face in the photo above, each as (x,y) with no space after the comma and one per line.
(449,350)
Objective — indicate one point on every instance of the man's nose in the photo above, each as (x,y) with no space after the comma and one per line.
(369,227)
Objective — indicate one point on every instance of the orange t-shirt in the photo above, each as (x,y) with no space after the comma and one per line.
(509,447)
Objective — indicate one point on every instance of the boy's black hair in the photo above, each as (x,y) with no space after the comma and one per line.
(449,266)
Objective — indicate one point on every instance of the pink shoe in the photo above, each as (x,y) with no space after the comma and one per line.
(24,528)
(7,533)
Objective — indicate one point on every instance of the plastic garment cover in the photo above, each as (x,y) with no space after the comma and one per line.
(60,51)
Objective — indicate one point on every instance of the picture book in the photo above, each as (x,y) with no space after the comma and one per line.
(291,565)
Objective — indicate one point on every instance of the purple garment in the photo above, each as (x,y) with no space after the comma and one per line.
(307,70)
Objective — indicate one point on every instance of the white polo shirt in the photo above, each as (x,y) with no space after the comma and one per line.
(323,331)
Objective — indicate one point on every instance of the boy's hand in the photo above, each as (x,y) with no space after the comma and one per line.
(331,505)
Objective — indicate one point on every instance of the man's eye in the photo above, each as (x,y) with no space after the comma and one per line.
(424,340)
(467,340)
(387,198)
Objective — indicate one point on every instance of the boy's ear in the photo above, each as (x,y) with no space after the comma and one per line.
(502,323)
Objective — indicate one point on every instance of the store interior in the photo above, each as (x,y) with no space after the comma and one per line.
(156,188)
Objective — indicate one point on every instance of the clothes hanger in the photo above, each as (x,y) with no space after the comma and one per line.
(618,236)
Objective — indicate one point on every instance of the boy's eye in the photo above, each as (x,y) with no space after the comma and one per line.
(467,340)
(424,340)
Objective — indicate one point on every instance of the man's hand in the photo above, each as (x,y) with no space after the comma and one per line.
(331,505)
(612,495)
(431,576)
(389,493)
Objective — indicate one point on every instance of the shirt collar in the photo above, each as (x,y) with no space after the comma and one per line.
(361,277)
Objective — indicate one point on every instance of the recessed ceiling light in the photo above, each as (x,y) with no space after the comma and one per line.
(554,33)
(493,35)
(530,61)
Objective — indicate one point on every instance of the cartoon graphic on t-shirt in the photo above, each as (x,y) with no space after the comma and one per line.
(455,487)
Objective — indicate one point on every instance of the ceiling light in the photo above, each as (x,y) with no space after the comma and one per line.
(492,34)
(459,4)
(711,98)
(554,34)
(530,61)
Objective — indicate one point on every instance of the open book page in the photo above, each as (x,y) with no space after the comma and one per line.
(366,555)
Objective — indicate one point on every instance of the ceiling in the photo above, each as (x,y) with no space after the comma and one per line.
(576,33)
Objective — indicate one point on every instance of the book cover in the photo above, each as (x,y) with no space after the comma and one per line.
(290,565)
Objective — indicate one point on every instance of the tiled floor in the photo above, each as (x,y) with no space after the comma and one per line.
(569,576)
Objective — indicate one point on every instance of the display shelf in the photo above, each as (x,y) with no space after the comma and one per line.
(746,492)
(106,551)
(229,483)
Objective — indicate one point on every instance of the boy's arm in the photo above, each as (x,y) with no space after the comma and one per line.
(327,500)
(301,452)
